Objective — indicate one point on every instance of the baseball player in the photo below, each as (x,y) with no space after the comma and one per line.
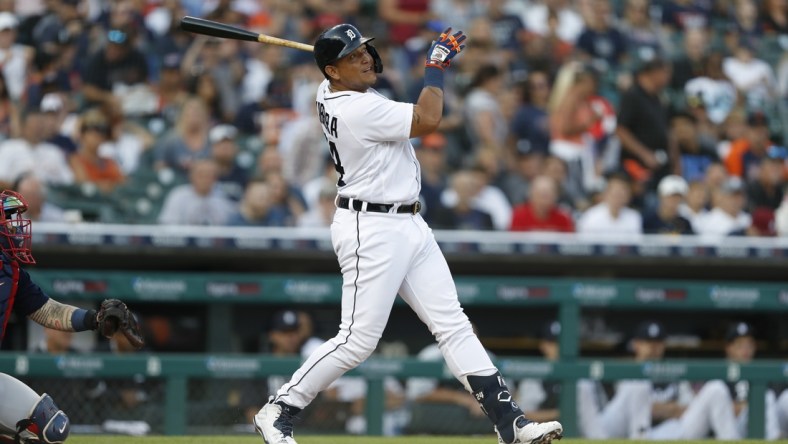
(383,245)
(740,346)
(637,404)
(26,416)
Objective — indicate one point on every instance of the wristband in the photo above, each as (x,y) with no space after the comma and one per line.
(433,76)
(82,320)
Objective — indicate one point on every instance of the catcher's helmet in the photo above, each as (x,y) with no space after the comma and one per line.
(15,239)
(339,41)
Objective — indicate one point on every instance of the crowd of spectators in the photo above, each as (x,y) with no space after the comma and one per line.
(600,116)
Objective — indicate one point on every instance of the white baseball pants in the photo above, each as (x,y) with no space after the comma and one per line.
(380,255)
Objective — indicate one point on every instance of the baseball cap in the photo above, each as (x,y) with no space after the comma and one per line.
(8,21)
(286,320)
(222,132)
(650,331)
(738,330)
(51,102)
(732,185)
(671,185)
(550,331)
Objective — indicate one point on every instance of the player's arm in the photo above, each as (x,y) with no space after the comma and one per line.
(428,110)
(59,316)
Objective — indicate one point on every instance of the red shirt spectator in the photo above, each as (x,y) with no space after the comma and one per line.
(540,213)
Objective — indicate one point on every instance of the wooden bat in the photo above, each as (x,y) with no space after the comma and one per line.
(216,29)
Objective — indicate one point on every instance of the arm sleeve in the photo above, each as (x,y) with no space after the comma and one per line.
(378,119)
(29,296)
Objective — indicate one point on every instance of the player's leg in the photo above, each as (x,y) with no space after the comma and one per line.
(782,413)
(430,291)
(628,414)
(374,251)
(710,410)
(28,414)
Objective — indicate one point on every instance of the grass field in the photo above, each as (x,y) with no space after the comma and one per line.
(335,440)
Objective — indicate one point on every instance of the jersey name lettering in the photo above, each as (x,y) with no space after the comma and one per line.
(328,122)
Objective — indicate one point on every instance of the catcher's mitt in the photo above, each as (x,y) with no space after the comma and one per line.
(114,316)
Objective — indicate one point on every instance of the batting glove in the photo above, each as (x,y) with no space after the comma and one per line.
(445,48)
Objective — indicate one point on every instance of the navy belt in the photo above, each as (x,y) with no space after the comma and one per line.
(358,205)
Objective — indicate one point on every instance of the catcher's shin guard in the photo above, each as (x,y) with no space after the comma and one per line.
(45,424)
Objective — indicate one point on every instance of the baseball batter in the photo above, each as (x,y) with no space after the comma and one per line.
(26,416)
(383,245)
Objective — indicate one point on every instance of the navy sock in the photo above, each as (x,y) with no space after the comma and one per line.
(496,402)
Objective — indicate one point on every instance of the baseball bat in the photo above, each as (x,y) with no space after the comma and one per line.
(216,29)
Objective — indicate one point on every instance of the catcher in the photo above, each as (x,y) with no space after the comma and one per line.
(25,416)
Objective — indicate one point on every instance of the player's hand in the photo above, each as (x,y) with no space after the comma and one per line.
(445,48)
(113,316)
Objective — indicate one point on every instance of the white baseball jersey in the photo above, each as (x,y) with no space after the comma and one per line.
(368,136)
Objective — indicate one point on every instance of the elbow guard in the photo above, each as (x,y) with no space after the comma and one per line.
(46,424)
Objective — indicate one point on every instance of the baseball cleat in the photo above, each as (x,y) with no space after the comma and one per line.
(274,422)
(530,432)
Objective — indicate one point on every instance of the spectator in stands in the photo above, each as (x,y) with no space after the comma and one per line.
(38,208)
(10,120)
(259,72)
(200,202)
(484,117)
(555,168)
(188,141)
(644,37)
(287,202)
(60,15)
(115,73)
(30,153)
(728,217)
(774,17)
(171,89)
(695,204)
(683,15)
(405,18)
(255,207)
(643,127)
(690,64)
(696,156)
(466,186)
(666,219)
(541,212)
(303,148)
(612,216)
(530,125)
(431,153)
(766,191)
(88,165)
(55,112)
(218,58)
(781,222)
(601,43)
(571,119)
(508,29)
(745,154)
(224,151)
(752,76)
(568,23)
(15,58)
(745,18)
(323,214)
(526,165)
(712,90)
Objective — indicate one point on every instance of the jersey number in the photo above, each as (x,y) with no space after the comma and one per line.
(332,148)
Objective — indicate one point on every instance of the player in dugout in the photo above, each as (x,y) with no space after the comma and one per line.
(26,416)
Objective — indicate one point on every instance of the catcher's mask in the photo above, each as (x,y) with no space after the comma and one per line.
(15,230)
(339,41)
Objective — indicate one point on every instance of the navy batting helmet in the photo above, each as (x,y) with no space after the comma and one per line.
(339,41)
